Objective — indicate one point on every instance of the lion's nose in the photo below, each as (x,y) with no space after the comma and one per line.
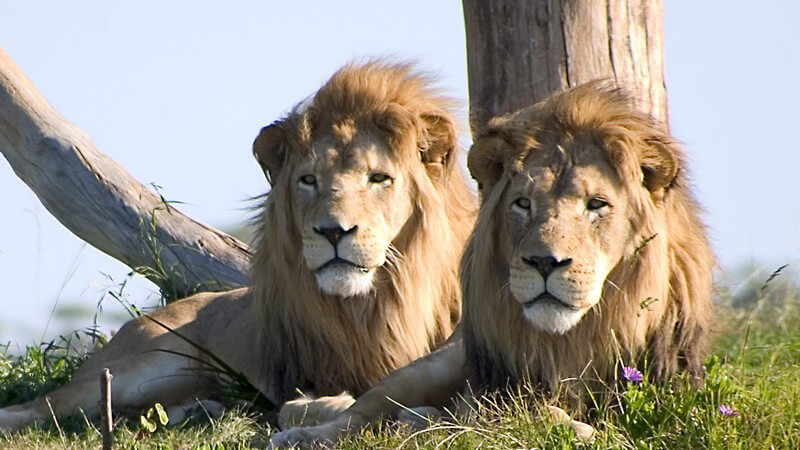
(334,234)
(545,265)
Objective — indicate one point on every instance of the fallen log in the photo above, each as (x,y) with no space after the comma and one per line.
(99,201)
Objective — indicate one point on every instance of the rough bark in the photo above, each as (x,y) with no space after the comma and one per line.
(520,51)
(98,200)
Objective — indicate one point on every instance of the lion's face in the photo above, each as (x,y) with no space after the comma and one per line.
(350,203)
(564,228)
(588,249)
(566,204)
(353,172)
(355,268)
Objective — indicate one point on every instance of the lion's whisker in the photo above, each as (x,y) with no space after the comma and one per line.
(611,283)
(505,288)
(393,256)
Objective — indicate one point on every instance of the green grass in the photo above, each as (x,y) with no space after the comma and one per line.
(40,369)
(754,368)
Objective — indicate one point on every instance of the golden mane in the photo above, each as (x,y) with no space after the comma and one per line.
(315,340)
(656,303)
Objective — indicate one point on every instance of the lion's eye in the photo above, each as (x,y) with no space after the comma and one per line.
(379,178)
(308,180)
(521,205)
(596,203)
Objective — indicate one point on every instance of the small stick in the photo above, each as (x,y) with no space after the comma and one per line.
(106,419)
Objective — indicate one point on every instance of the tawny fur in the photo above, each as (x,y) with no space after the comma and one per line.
(282,333)
(664,255)
(674,266)
(336,345)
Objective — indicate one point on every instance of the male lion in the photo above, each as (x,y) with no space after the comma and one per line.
(588,252)
(355,271)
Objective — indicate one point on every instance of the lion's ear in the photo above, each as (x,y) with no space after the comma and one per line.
(438,143)
(271,149)
(660,163)
(486,160)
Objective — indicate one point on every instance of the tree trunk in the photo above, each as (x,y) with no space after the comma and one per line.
(520,51)
(103,204)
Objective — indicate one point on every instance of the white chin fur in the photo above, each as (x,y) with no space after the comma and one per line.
(345,281)
(551,318)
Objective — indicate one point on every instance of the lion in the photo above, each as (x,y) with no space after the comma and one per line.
(588,253)
(356,264)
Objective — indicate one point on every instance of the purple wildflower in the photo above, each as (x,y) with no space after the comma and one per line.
(727,411)
(632,374)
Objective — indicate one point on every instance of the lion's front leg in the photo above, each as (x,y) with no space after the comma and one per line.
(431,380)
(308,410)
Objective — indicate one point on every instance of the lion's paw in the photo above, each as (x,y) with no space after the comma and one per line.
(307,411)
(305,437)
(420,417)
(584,431)
(202,410)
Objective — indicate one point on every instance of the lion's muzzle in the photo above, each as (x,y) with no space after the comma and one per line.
(554,293)
(343,259)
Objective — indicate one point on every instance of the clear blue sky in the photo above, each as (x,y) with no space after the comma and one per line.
(176,91)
